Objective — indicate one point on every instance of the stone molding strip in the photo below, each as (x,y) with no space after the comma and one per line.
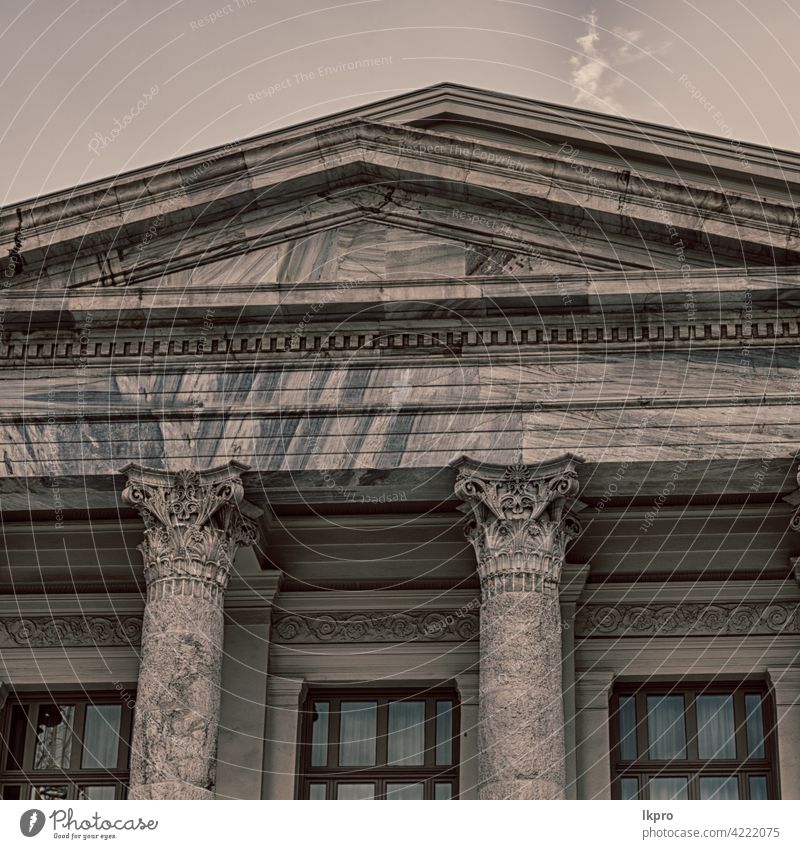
(283,342)
(377,626)
(70,631)
(687,619)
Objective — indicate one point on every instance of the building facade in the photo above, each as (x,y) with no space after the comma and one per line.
(444,448)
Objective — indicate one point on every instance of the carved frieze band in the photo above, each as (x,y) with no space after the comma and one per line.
(687,619)
(377,626)
(70,631)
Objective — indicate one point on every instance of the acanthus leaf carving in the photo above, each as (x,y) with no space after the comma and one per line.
(193,525)
(518,523)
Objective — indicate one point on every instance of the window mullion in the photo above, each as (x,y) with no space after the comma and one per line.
(78,731)
(30,737)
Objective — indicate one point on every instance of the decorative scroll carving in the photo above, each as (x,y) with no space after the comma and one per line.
(70,631)
(376,627)
(687,619)
(519,525)
(194,524)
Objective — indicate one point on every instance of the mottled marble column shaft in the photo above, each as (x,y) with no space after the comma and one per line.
(519,529)
(193,526)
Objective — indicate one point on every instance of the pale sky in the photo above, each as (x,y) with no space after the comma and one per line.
(176,80)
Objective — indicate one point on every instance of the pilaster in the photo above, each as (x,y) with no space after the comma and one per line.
(786,686)
(593,766)
(284,697)
(468,777)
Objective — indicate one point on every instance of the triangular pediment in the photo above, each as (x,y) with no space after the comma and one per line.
(419,186)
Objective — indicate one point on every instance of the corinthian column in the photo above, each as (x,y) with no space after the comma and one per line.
(194,524)
(519,528)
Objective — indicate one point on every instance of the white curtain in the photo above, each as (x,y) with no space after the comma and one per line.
(715,727)
(665,729)
(101,736)
(719,787)
(669,788)
(357,733)
(406,733)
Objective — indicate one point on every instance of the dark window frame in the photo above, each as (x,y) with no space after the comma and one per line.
(73,776)
(693,767)
(429,774)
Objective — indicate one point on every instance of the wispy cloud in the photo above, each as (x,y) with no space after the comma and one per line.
(596,73)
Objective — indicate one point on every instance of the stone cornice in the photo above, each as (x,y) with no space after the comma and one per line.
(359,159)
(275,163)
(70,631)
(687,619)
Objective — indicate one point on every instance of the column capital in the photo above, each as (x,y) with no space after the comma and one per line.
(194,522)
(520,523)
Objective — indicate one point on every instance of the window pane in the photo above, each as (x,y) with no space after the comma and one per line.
(758,786)
(627,728)
(101,737)
(715,727)
(669,788)
(319,734)
(444,733)
(355,791)
(50,792)
(665,729)
(755,725)
(53,737)
(406,733)
(316,791)
(10,791)
(443,790)
(93,791)
(16,736)
(357,734)
(719,787)
(413,792)
(629,788)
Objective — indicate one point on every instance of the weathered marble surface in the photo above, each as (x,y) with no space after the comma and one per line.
(521,709)
(187,563)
